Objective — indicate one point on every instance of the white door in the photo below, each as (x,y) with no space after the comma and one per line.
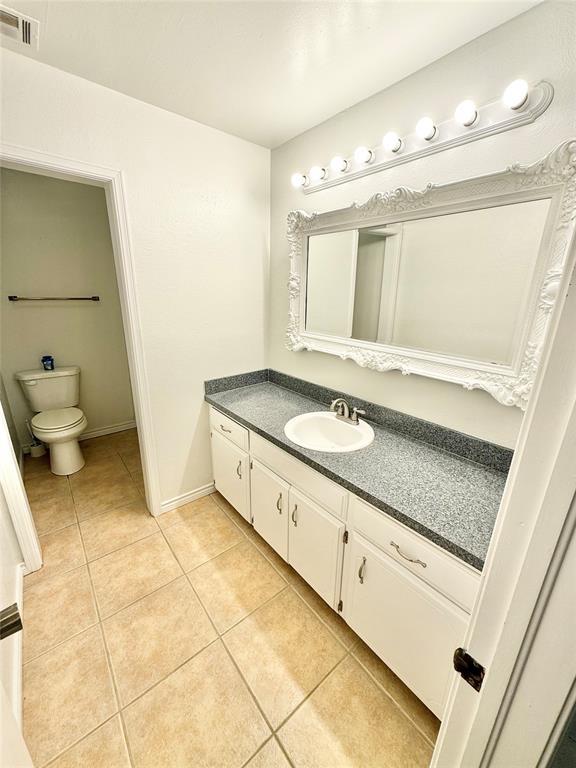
(521,576)
(231,466)
(315,546)
(13,751)
(269,495)
(409,625)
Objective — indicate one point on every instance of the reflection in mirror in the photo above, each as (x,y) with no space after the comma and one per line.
(456,285)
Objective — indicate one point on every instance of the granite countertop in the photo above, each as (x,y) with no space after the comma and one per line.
(448,499)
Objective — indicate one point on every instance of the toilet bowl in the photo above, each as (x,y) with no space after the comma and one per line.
(53,396)
(60,429)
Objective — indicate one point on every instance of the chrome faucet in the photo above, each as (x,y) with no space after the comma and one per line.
(342,411)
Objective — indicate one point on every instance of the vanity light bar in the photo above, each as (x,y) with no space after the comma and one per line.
(520,104)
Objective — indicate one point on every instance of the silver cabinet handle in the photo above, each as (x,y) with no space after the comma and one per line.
(279,503)
(405,557)
(362,570)
(223,428)
(239,469)
(294,520)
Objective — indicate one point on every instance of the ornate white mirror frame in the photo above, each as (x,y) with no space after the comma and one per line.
(553,177)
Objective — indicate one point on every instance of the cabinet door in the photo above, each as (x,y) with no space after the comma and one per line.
(412,628)
(231,467)
(315,546)
(270,507)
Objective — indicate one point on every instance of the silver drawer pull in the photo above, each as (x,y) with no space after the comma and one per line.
(405,557)
(223,428)
(239,469)
(362,570)
(294,520)
(279,503)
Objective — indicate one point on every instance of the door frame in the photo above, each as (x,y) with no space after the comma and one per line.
(111,180)
(17,501)
(527,551)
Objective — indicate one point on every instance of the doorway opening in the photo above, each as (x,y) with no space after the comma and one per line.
(65,237)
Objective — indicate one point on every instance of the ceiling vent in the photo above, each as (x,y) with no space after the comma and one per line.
(22,29)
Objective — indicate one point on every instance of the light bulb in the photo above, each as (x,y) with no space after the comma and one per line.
(516,95)
(425,128)
(317,173)
(339,164)
(466,113)
(392,142)
(363,155)
(299,180)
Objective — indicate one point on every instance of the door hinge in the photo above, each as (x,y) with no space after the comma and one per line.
(251,464)
(345,537)
(340,606)
(468,668)
(10,621)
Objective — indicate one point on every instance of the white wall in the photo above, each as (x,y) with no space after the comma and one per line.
(197,207)
(55,241)
(540,44)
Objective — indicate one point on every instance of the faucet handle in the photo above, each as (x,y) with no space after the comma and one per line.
(357,412)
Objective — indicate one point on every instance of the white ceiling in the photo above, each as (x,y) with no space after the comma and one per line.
(265,71)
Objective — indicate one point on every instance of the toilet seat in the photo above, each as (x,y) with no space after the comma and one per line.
(57,419)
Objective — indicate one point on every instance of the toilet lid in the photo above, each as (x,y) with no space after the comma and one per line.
(59,418)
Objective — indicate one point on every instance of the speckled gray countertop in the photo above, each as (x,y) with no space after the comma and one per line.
(446,498)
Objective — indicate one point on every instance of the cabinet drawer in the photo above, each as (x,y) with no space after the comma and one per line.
(321,490)
(442,570)
(230,429)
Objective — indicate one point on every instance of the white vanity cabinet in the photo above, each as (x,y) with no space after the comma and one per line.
(270,506)
(413,628)
(407,598)
(306,536)
(231,468)
(315,548)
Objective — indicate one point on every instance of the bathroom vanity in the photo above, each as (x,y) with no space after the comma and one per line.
(392,536)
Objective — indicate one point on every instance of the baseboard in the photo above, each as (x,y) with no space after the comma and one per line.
(186,498)
(108,430)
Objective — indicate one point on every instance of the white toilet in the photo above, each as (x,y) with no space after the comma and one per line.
(53,395)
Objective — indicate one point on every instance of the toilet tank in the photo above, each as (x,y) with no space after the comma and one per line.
(46,390)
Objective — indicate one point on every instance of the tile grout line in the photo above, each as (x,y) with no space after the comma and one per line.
(284,751)
(398,706)
(316,613)
(347,653)
(167,675)
(75,743)
(252,612)
(220,638)
(260,748)
(308,696)
(350,650)
(107,654)
(98,624)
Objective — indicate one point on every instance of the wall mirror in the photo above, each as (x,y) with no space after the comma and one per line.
(455,281)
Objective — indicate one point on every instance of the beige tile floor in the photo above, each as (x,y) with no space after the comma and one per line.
(186,641)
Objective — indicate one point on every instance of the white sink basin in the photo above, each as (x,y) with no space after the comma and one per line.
(322,431)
